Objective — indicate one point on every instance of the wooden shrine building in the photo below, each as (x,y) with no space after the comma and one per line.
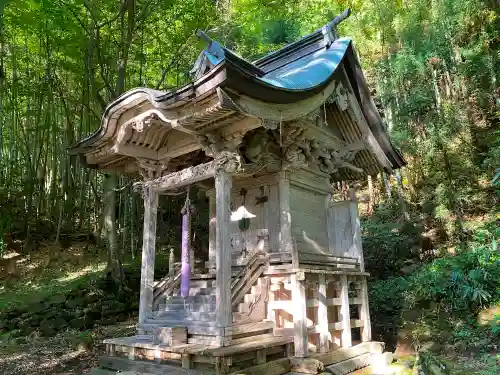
(284,288)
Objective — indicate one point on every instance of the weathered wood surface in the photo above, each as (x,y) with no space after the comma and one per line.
(212,229)
(223,185)
(278,367)
(344,312)
(349,365)
(306,365)
(148,255)
(366,332)
(324,334)
(170,336)
(122,364)
(299,317)
(243,282)
(228,162)
(285,236)
(356,228)
(340,230)
(342,354)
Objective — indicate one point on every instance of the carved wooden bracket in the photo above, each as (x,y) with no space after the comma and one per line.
(150,169)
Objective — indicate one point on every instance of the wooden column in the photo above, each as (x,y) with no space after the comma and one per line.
(285,238)
(345,313)
(299,315)
(224,316)
(211,229)
(364,312)
(324,333)
(356,228)
(148,255)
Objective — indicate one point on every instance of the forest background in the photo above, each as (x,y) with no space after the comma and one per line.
(430,231)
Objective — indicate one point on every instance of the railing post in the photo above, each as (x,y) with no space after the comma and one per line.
(171,262)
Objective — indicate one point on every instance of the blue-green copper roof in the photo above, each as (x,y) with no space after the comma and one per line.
(311,70)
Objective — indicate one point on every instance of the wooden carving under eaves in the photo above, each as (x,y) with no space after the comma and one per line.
(150,169)
(339,96)
(302,150)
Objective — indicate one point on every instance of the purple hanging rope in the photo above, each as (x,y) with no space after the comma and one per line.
(185,240)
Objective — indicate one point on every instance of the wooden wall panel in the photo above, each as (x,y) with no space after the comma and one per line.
(308,214)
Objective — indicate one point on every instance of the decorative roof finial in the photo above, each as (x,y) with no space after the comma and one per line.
(330,28)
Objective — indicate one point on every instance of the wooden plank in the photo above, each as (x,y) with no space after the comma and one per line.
(364,310)
(285,305)
(324,334)
(306,365)
(299,316)
(343,354)
(330,257)
(223,249)
(244,347)
(122,364)
(350,365)
(148,255)
(346,272)
(250,327)
(278,367)
(344,312)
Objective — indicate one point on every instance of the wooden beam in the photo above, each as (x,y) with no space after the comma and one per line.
(148,255)
(324,334)
(344,312)
(223,185)
(299,317)
(134,151)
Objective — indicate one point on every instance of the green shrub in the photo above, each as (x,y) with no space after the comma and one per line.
(442,299)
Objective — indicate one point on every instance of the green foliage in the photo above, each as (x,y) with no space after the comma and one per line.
(388,243)
(441,300)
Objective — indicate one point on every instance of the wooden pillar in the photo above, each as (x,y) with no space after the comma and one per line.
(148,255)
(301,341)
(345,313)
(364,312)
(285,238)
(324,333)
(356,228)
(211,230)
(224,316)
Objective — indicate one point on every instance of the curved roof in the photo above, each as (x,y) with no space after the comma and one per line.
(284,78)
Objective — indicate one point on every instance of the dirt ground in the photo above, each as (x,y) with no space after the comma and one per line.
(68,353)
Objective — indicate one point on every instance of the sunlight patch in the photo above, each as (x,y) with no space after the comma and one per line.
(82,272)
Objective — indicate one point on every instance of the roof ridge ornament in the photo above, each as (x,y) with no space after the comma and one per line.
(329,30)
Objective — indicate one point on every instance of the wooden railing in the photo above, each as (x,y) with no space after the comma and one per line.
(246,278)
(168,284)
